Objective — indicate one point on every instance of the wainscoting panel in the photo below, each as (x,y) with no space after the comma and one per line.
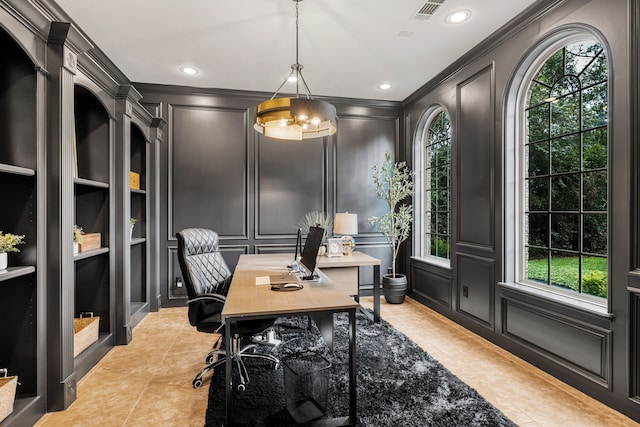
(578,346)
(476,283)
(382,251)
(431,285)
(362,142)
(208,153)
(290,181)
(475,153)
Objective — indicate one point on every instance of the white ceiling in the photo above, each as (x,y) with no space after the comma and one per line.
(347,47)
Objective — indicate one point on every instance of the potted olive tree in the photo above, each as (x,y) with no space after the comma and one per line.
(394,183)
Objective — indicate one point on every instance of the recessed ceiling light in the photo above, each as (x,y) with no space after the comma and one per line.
(189,71)
(384,86)
(458,16)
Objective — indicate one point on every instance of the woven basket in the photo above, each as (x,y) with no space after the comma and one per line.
(85,332)
(8,387)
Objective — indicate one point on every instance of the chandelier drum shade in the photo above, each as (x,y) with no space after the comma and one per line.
(295,118)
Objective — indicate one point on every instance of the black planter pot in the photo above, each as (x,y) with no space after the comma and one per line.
(394,288)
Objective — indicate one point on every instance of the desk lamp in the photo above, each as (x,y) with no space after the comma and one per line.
(346,224)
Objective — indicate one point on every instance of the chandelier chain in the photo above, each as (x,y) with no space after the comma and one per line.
(297,25)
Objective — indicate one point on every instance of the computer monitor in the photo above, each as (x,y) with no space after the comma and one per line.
(309,256)
(298,250)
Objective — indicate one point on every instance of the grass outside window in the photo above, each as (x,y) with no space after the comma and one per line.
(564,273)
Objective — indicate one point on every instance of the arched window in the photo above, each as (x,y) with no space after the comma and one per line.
(563,201)
(434,166)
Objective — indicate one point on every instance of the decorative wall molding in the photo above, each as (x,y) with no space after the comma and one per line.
(216,168)
(475,167)
(432,285)
(574,345)
(475,287)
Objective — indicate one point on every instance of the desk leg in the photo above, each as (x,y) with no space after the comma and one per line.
(352,368)
(376,293)
(228,365)
(357,295)
(324,321)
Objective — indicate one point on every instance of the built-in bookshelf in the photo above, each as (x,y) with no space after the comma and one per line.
(92,198)
(22,350)
(139,283)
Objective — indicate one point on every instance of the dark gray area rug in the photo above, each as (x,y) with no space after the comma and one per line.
(398,384)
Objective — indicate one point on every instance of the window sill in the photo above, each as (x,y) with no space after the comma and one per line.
(559,298)
(438,262)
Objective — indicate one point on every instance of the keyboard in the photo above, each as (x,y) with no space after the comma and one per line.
(277,279)
(263,280)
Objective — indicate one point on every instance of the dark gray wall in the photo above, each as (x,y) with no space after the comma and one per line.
(218,173)
(597,353)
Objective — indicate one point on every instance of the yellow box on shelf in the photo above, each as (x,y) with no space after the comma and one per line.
(90,241)
(134,180)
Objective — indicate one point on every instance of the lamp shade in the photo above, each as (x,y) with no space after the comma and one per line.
(345,223)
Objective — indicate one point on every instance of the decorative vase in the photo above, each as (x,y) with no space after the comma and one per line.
(3,260)
(394,288)
(322,250)
(131,231)
(76,248)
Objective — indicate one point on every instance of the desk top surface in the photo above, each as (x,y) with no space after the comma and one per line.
(246,299)
(356,259)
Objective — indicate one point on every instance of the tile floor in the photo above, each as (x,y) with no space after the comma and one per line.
(148,382)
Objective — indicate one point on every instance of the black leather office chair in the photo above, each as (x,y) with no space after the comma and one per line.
(207,278)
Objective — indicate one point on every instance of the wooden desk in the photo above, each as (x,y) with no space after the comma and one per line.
(246,300)
(344,271)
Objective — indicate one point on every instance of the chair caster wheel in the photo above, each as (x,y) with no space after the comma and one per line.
(197,383)
(210,360)
(241,387)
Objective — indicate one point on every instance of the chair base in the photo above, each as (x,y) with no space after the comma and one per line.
(236,357)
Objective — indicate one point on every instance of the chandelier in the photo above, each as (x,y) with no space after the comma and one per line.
(295,118)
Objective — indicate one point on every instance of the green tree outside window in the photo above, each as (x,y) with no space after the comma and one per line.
(566,175)
(437,197)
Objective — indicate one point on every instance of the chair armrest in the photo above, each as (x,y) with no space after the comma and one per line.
(209,297)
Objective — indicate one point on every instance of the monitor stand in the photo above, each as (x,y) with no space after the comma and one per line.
(311,278)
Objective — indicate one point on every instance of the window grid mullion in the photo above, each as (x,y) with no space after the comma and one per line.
(566,241)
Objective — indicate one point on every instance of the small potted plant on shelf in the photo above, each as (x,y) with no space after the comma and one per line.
(132,223)
(394,183)
(77,239)
(8,243)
